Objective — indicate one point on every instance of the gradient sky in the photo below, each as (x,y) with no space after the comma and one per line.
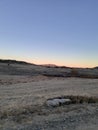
(62,32)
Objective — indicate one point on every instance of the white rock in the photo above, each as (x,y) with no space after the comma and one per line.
(56,102)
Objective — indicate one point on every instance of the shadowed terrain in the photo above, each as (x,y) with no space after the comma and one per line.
(13,67)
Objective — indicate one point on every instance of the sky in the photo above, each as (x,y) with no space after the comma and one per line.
(61,32)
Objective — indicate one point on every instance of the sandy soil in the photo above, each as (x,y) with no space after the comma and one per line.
(18,92)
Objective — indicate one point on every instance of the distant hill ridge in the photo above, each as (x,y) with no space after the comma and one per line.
(96,67)
(46,70)
(13,62)
(9,61)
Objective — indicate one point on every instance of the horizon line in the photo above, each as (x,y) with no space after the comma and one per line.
(45,64)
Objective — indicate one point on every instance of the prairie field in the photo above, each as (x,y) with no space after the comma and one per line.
(25,89)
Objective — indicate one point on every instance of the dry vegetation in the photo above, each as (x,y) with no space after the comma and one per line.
(79,99)
(22,113)
(24,89)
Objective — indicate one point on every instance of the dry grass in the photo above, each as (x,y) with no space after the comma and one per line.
(21,112)
(24,90)
(79,99)
(83,99)
(83,73)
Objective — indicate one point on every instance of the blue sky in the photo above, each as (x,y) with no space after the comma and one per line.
(62,32)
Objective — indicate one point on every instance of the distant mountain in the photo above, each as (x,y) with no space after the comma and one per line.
(49,65)
(53,66)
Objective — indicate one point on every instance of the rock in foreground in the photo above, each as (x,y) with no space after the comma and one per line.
(57,102)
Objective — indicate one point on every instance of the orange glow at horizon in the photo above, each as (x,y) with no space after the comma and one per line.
(68,63)
(59,63)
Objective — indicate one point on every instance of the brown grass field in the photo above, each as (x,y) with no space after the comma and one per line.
(25,88)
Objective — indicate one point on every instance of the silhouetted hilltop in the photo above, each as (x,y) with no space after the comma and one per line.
(96,67)
(54,66)
(14,62)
